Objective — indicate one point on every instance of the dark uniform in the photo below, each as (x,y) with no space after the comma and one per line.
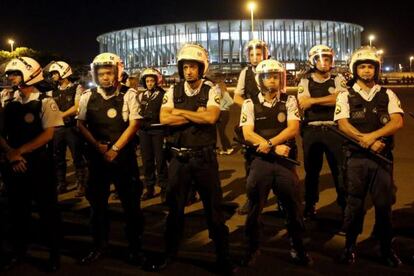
(271,172)
(319,140)
(151,135)
(107,117)
(366,174)
(24,120)
(68,135)
(194,162)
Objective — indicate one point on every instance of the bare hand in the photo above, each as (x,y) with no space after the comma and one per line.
(366,140)
(282,150)
(378,146)
(102,148)
(110,155)
(263,147)
(305,102)
(201,109)
(14,155)
(19,166)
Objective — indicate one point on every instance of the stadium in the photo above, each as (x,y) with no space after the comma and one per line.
(289,41)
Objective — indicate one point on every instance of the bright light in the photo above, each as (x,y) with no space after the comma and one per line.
(411,58)
(91,84)
(251,6)
(371,38)
(387,68)
(11,42)
(380,52)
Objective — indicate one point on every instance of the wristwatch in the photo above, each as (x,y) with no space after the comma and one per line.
(115,148)
(270,143)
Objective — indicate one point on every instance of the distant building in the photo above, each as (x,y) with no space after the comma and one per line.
(289,41)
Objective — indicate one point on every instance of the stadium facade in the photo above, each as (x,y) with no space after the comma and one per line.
(289,41)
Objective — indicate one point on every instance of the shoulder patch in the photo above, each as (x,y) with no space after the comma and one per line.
(165,99)
(217,99)
(244,118)
(337,109)
(53,106)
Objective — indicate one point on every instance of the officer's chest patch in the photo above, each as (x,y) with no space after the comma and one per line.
(111,113)
(281,117)
(29,118)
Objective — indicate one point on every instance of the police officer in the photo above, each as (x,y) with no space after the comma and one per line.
(152,133)
(191,108)
(67,95)
(269,124)
(317,94)
(29,121)
(371,115)
(256,51)
(108,119)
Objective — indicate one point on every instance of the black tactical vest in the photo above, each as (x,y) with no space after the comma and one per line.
(270,121)
(318,90)
(368,116)
(150,107)
(251,91)
(65,99)
(104,117)
(192,135)
(23,122)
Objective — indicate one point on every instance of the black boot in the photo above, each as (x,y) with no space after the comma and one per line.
(390,258)
(348,255)
(150,193)
(225,266)
(9,262)
(250,257)
(243,210)
(54,262)
(93,256)
(309,211)
(298,253)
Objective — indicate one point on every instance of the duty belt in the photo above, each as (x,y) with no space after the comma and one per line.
(322,123)
(187,153)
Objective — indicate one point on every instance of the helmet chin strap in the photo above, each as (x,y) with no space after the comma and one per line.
(110,90)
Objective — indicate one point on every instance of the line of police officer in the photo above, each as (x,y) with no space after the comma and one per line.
(110,115)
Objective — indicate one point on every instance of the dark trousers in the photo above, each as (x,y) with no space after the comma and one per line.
(317,141)
(123,172)
(203,173)
(367,176)
(153,157)
(221,128)
(68,137)
(263,177)
(36,184)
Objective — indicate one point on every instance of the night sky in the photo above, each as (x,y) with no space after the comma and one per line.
(71,30)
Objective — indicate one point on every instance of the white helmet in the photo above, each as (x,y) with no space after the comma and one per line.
(107,59)
(29,68)
(194,52)
(257,44)
(153,73)
(63,69)
(365,54)
(270,66)
(318,51)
